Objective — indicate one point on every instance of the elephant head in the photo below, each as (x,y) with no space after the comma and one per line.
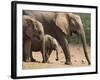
(32,28)
(71,23)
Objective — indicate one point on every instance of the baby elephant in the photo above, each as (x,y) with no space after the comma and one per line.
(50,45)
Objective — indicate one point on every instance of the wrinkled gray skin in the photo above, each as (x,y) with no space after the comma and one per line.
(50,45)
(61,26)
(32,32)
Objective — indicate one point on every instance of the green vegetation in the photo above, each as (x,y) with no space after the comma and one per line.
(86,20)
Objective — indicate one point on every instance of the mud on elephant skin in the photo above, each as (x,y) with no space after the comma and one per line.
(61,26)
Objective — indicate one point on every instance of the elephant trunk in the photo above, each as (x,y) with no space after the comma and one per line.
(83,39)
(43,47)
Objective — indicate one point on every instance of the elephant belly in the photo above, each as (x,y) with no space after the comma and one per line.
(36,45)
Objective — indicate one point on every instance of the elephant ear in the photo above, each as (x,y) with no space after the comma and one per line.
(62,22)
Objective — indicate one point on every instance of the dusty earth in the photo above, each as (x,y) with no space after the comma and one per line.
(77,57)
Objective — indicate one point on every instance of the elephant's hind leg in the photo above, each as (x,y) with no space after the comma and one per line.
(64,44)
(27,55)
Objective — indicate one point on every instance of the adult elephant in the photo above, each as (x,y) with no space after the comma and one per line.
(61,25)
(33,33)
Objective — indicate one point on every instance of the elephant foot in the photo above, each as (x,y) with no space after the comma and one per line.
(89,63)
(44,61)
(24,59)
(68,63)
(27,60)
(33,60)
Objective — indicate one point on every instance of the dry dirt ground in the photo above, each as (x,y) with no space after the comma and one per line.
(77,57)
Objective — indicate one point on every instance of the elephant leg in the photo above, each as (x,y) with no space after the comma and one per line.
(57,55)
(24,54)
(44,56)
(48,54)
(27,51)
(64,45)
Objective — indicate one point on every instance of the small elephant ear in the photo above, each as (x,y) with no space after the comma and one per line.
(62,23)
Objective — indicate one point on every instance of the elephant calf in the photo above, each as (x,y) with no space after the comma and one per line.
(50,44)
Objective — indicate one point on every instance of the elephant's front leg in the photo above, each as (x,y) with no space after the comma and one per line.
(27,50)
(64,44)
(44,56)
(27,55)
(48,54)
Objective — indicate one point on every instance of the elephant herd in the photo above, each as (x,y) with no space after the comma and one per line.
(43,31)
